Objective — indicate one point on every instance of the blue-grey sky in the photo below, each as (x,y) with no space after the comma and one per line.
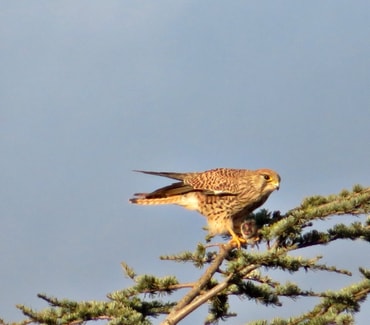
(90,90)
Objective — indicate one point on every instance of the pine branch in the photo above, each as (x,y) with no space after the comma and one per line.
(199,258)
(179,311)
(231,272)
(288,228)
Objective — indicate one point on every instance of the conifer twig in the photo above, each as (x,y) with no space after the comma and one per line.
(179,311)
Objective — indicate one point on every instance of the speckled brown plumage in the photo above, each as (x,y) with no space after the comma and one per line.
(224,196)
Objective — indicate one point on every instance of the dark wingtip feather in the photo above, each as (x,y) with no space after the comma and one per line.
(178,176)
(147,172)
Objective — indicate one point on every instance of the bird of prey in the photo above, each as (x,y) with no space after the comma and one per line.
(224,196)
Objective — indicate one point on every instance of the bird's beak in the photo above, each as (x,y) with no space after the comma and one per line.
(277,185)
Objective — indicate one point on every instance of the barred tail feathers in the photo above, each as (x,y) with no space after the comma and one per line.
(142,200)
(189,201)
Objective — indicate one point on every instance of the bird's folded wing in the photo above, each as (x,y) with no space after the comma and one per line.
(219,181)
(167,191)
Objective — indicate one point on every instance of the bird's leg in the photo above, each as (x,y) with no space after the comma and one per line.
(235,239)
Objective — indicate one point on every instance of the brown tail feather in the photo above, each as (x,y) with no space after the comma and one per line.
(157,201)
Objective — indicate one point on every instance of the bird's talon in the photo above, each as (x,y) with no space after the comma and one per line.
(237,242)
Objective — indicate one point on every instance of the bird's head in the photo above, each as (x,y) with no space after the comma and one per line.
(268,180)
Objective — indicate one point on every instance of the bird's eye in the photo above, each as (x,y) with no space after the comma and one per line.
(267,177)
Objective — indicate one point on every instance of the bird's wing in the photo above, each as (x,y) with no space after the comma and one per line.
(221,181)
(167,191)
(178,176)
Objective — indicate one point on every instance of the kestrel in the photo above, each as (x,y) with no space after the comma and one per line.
(224,196)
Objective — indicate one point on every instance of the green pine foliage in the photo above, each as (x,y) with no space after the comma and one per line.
(243,273)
